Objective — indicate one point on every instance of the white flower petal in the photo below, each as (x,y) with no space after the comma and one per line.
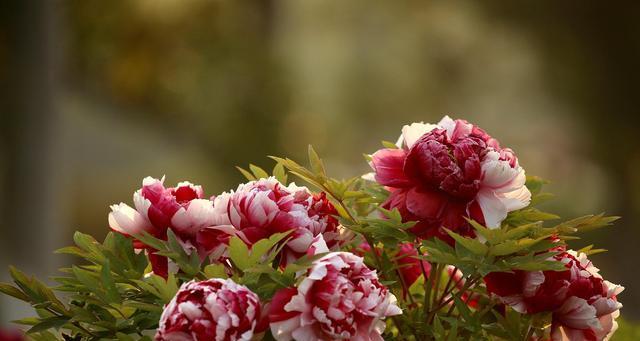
(125,219)
(412,133)
(493,209)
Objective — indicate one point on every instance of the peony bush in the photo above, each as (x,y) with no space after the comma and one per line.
(442,240)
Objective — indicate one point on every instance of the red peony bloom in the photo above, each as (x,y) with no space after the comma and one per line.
(442,174)
(158,209)
(11,334)
(339,299)
(262,208)
(214,309)
(584,306)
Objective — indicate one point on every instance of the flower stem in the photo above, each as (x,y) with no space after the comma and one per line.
(470,282)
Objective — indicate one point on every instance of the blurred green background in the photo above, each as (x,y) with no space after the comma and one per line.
(98,94)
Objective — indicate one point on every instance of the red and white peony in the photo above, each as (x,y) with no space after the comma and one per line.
(214,309)
(262,208)
(338,299)
(158,209)
(584,306)
(441,174)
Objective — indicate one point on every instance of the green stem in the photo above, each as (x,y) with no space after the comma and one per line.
(75,323)
(529,334)
(373,251)
(436,281)
(467,285)
(427,291)
(446,289)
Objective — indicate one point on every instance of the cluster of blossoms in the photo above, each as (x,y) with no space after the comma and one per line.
(438,176)
(256,210)
(584,306)
(339,298)
(271,260)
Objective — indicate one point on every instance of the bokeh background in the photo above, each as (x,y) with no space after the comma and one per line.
(98,94)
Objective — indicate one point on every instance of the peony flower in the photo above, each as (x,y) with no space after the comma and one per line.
(262,208)
(158,209)
(584,306)
(339,299)
(441,174)
(11,334)
(214,309)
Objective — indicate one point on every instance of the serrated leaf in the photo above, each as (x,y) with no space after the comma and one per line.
(488,234)
(470,244)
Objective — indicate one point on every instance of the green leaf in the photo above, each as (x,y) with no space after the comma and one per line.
(149,240)
(488,234)
(246,174)
(280,174)
(71,250)
(43,336)
(389,145)
(258,172)
(438,329)
(585,223)
(316,163)
(215,271)
(10,290)
(143,306)
(514,246)
(109,285)
(124,337)
(470,244)
(161,288)
(534,184)
(27,321)
(239,253)
(453,333)
(48,323)
(260,249)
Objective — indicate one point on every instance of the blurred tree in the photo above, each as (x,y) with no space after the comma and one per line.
(28,212)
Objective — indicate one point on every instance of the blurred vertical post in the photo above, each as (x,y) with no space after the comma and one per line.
(28,218)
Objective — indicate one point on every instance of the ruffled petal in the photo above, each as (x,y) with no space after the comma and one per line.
(388,164)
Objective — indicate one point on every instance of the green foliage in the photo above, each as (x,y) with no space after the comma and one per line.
(109,296)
